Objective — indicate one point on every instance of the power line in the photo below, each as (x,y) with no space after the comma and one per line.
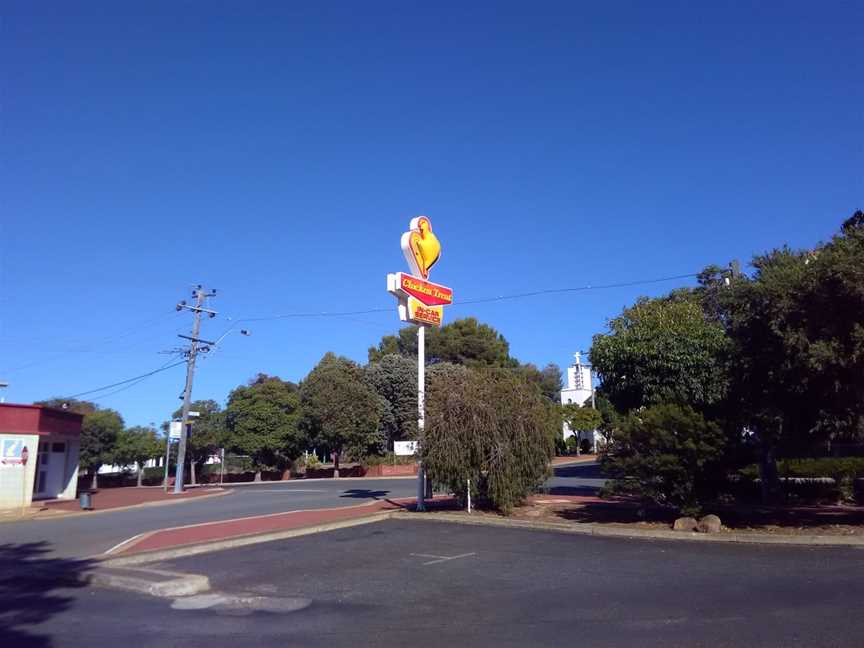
(481,300)
(129,386)
(128,380)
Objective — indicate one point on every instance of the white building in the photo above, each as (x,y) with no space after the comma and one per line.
(579,390)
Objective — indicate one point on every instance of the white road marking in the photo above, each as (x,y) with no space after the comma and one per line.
(440,559)
(125,542)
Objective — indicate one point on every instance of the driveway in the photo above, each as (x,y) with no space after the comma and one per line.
(424,583)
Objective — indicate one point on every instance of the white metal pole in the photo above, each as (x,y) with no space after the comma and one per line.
(421,410)
(167,457)
(469,495)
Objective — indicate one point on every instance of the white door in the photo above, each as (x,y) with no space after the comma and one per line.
(51,469)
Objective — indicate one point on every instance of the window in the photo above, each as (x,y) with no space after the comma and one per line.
(58,447)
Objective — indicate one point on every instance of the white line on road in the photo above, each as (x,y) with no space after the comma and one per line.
(440,559)
(125,542)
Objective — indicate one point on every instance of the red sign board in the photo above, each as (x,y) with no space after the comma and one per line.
(425,291)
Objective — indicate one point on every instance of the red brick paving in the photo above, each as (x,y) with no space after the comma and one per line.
(224,530)
(557,461)
(110,498)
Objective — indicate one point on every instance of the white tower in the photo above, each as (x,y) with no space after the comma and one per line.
(578,391)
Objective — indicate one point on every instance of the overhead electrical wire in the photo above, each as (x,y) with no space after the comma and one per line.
(128,380)
(309,314)
(481,300)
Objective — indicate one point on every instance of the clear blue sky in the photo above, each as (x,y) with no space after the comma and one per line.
(277,150)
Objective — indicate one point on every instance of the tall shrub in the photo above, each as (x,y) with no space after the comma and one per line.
(488,426)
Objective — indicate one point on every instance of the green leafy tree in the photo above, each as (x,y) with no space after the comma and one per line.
(798,342)
(661,351)
(583,419)
(135,446)
(394,379)
(464,341)
(99,432)
(488,426)
(667,455)
(70,405)
(208,433)
(547,380)
(340,410)
(261,419)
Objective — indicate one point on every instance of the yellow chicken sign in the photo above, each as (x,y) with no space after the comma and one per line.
(420,246)
(420,301)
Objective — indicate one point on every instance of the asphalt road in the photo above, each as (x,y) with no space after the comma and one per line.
(412,583)
(94,533)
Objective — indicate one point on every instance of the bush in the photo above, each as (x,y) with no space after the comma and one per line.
(560,446)
(489,426)
(667,455)
(844,472)
(572,444)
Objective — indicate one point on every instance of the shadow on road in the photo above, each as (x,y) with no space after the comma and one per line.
(30,585)
(365,493)
(580,471)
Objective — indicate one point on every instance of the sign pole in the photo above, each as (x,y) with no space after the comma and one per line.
(421,411)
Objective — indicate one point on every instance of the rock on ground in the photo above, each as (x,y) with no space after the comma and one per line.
(685,524)
(709,524)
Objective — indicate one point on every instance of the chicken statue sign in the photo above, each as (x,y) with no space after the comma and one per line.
(420,301)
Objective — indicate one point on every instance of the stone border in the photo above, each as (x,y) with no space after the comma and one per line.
(603,530)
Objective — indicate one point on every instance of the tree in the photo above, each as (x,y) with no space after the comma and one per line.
(665,454)
(464,341)
(340,410)
(662,351)
(488,426)
(136,445)
(584,419)
(548,380)
(99,432)
(261,420)
(69,404)
(208,433)
(799,347)
(394,379)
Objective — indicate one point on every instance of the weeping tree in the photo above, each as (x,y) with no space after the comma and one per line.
(489,426)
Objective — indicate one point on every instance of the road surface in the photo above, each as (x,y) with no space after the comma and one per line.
(423,583)
(93,534)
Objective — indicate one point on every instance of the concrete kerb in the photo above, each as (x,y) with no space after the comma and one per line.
(602,530)
(159,555)
(155,582)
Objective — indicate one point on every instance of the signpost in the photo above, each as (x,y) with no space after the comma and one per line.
(420,302)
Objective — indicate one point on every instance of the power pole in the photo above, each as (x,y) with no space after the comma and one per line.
(200,295)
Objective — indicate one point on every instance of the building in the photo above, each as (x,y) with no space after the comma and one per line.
(579,390)
(39,449)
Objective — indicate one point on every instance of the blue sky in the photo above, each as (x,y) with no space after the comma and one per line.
(276,151)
